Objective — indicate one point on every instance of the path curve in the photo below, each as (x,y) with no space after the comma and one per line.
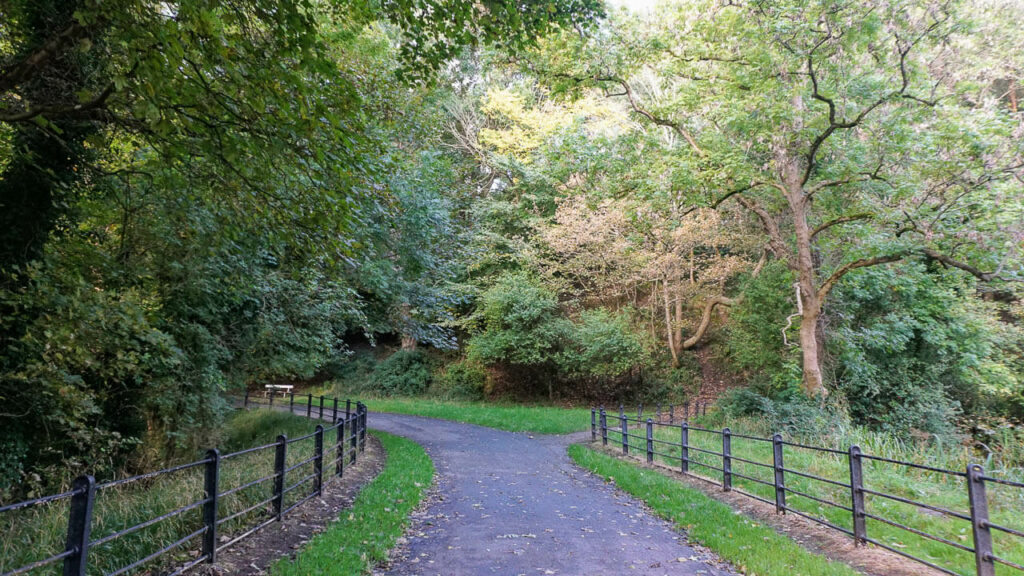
(513,504)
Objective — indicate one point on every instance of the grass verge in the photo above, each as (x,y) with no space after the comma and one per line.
(511,417)
(377,517)
(755,548)
(1006,506)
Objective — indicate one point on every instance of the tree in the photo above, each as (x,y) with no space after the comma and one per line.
(847,129)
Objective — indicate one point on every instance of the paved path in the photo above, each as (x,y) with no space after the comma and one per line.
(509,504)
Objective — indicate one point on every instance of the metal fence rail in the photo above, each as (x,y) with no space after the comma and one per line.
(348,440)
(627,431)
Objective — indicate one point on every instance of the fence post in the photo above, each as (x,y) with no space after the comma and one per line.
(657,415)
(362,427)
(79,525)
(334,412)
(686,410)
(639,412)
(309,405)
(271,398)
(291,402)
(780,477)
(979,521)
(604,428)
(321,408)
(348,407)
(650,441)
(318,460)
(353,428)
(279,459)
(671,413)
(593,424)
(704,409)
(726,459)
(245,399)
(684,442)
(860,530)
(339,450)
(625,435)
(210,480)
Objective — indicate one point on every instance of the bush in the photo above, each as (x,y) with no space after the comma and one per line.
(912,354)
(791,414)
(602,344)
(463,380)
(521,324)
(404,373)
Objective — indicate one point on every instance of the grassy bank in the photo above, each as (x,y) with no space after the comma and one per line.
(1006,504)
(755,548)
(377,518)
(38,532)
(511,417)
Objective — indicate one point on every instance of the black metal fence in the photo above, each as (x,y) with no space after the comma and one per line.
(345,439)
(646,439)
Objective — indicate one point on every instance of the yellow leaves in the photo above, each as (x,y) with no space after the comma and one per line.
(518,127)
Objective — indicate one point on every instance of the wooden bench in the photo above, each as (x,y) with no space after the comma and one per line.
(283,388)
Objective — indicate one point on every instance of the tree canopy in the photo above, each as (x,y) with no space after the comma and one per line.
(553,199)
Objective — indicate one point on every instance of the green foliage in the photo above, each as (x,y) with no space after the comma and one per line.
(404,373)
(429,25)
(521,324)
(461,380)
(794,415)
(913,354)
(754,333)
(247,428)
(602,344)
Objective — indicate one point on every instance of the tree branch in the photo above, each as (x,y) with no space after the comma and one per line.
(775,241)
(17,73)
(51,111)
(977,273)
(860,263)
(705,319)
(841,220)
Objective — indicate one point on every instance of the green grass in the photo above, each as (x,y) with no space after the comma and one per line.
(377,518)
(755,548)
(511,417)
(35,533)
(1006,506)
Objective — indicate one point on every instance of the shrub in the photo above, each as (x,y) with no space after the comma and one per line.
(462,380)
(521,324)
(603,344)
(791,414)
(404,373)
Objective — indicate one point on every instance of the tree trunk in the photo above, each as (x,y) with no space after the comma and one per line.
(678,337)
(810,304)
(812,383)
(409,341)
(668,325)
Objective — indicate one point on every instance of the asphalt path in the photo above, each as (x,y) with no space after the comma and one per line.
(509,504)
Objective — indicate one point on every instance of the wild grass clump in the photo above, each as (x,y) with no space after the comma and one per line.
(38,532)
